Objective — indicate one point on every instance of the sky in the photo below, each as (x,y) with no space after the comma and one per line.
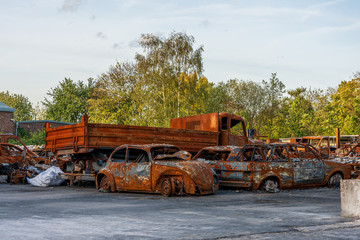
(307,43)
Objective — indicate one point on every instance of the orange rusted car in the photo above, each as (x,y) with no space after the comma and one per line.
(272,166)
(155,168)
(10,153)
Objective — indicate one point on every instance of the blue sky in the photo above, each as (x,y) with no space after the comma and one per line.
(308,43)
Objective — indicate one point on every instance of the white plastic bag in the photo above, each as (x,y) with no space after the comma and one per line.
(50,177)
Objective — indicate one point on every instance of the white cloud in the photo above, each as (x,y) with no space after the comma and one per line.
(101,35)
(70,5)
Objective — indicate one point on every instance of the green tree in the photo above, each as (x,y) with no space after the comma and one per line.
(323,122)
(68,101)
(345,106)
(273,90)
(21,104)
(218,98)
(120,97)
(166,64)
(248,100)
(296,114)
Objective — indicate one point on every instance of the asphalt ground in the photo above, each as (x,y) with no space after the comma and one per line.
(28,212)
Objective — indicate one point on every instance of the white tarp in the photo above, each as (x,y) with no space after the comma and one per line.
(50,177)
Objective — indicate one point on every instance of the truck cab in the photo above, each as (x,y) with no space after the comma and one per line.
(231,128)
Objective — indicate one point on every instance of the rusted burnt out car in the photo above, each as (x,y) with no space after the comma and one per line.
(10,153)
(155,168)
(272,166)
(320,143)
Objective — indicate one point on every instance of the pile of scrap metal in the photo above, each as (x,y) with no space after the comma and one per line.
(349,154)
(19,162)
(82,166)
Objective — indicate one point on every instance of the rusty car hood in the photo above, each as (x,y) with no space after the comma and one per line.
(199,172)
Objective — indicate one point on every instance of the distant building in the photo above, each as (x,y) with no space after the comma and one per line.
(7,124)
(34,126)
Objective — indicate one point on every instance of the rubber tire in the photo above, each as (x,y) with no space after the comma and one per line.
(104,185)
(271,186)
(334,180)
(167,188)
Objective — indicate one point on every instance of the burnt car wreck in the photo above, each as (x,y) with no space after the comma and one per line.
(271,167)
(155,168)
(18,161)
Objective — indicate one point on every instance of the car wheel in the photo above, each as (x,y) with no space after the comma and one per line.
(334,180)
(104,185)
(167,188)
(271,185)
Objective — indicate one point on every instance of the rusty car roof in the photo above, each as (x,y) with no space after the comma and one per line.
(146,147)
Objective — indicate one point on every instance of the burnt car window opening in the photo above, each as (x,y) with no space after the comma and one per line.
(119,155)
(258,155)
(163,150)
(245,155)
(214,155)
(280,154)
(137,156)
(293,152)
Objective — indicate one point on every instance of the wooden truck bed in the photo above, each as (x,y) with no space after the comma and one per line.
(85,137)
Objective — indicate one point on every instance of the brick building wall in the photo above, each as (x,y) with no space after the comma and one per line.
(6,125)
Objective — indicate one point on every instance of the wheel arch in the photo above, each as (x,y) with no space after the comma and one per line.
(272,177)
(102,174)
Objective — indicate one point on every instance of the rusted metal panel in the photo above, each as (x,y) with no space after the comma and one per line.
(138,168)
(204,122)
(84,137)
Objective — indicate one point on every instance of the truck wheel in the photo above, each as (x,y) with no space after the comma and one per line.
(334,180)
(104,185)
(167,188)
(271,186)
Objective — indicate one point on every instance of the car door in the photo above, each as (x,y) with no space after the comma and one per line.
(117,167)
(137,170)
(236,171)
(277,164)
(307,168)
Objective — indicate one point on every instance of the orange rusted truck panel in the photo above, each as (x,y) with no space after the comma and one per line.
(272,166)
(189,133)
(156,168)
(85,137)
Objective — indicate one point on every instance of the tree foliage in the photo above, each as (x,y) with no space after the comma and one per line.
(166,66)
(345,106)
(21,104)
(163,83)
(68,101)
(119,97)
